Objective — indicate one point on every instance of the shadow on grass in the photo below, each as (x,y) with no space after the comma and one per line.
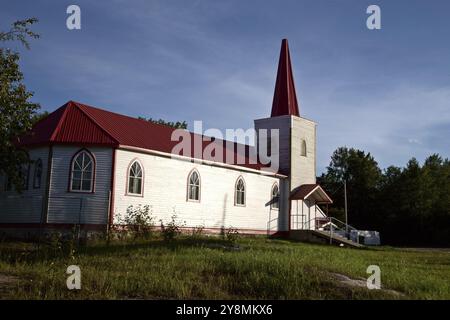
(154,244)
(34,253)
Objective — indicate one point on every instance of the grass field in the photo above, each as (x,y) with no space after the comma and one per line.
(211,268)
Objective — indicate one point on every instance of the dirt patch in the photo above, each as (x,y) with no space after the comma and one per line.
(347,282)
(6,282)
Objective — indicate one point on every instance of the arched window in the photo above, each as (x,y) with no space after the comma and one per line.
(303,148)
(82,175)
(25,175)
(194,186)
(240,192)
(37,177)
(135,178)
(275,201)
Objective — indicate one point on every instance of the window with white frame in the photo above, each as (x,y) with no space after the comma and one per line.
(275,202)
(194,186)
(82,176)
(37,177)
(240,192)
(135,178)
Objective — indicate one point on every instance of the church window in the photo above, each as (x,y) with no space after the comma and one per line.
(275,202)
(37,177)
(194,186)
(135,178)
(240,192)
(82,172)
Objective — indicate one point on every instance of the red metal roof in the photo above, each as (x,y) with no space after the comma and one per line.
(285,98)
(68,124)
(78,123)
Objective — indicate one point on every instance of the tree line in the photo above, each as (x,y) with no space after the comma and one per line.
(408,205)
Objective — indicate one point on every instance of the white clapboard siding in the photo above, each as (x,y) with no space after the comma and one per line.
(292,130)
(77,207)
(283,124)
(165,191)
(21,209)
(303,169)
(27,206)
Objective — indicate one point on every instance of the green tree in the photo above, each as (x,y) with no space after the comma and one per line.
(414,203)
(16,109)
(409,206)
(361,172)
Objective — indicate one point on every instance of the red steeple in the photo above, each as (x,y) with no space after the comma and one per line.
(284,98)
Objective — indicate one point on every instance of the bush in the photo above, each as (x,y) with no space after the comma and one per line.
(172,229)
(138,221)
(232,235)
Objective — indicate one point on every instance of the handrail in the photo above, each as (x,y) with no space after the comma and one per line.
(329,219)
(307,223)
(345,224)
(336,226)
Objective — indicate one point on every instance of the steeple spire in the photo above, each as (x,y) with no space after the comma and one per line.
(284,98)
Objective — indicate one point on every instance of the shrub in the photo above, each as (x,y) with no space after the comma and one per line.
(172,229)
(232,235)
(138,221)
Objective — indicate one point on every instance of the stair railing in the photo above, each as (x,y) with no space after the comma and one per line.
(344,226)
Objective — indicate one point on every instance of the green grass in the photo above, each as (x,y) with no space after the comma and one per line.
(209,269)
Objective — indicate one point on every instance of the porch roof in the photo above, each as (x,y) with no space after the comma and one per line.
(311,191)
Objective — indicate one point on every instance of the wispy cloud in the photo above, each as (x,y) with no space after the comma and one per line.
(386,92)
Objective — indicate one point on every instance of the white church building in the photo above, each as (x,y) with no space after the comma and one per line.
(88,165)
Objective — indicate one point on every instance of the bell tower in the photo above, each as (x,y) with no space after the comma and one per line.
(300,195)
(297,135)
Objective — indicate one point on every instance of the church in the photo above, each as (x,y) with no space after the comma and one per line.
(88,165)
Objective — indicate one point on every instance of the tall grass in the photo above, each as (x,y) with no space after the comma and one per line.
(209,268)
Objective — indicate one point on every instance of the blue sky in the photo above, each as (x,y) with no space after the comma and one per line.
(385,91)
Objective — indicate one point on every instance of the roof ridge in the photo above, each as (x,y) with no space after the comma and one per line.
(127,116)
(150,123)
(60,121)
(78,104)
